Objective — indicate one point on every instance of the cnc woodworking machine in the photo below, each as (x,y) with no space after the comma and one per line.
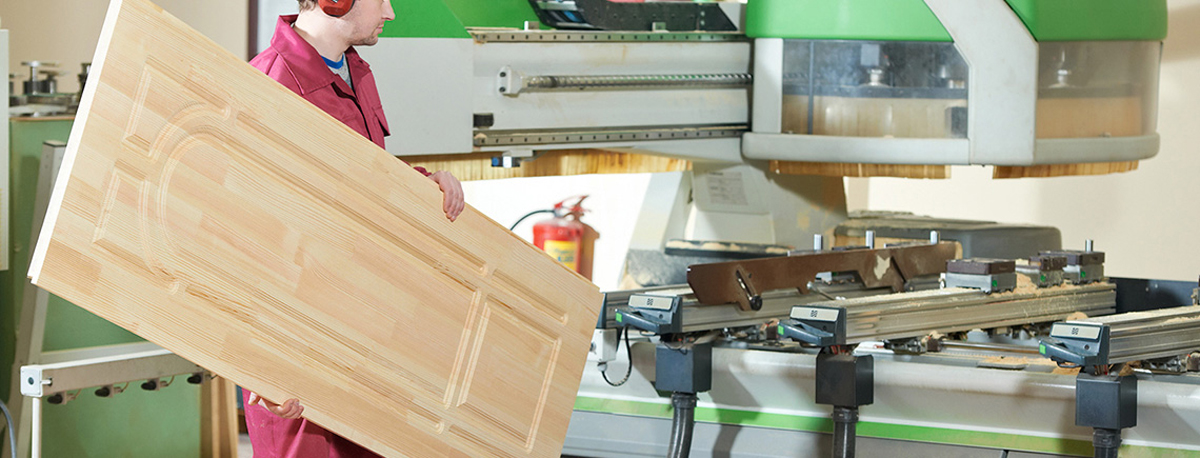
(745,331)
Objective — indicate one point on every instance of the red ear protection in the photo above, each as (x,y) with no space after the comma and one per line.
(336,8)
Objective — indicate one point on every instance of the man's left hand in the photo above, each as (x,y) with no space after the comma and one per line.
(452,200)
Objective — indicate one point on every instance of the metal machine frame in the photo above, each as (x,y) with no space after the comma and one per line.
(1003,59)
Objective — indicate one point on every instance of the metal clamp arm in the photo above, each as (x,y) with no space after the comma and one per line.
(822,326)
(1057,351)
(633,319)
(807,334)
(1082,343)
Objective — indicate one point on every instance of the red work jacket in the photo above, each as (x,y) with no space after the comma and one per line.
(295,64)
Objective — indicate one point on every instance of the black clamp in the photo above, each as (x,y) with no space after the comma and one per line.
(657,314)
(1077,342)
(816,325)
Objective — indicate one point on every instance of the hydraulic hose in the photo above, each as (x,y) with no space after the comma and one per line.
(1106,441)
(12,435)
(682,424)
(845,420)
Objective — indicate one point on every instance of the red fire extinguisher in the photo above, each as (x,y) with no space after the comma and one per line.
(566,238)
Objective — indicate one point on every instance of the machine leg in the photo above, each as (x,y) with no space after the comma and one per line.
(683,423)
(684,371)
(35,443)
(1107,403)
(844,421)
(1106,441)
(846,382)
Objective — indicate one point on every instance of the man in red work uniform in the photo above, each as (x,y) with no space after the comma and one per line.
(312,54)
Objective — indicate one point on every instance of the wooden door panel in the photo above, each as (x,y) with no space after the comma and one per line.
(210,210)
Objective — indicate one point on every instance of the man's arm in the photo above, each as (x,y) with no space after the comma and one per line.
(453,201)
(290,409)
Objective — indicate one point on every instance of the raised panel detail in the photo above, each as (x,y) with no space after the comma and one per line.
(507,400)
(210,210)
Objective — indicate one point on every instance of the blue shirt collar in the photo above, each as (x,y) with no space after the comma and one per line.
(335,64)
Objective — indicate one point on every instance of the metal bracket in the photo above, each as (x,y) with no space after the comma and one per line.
(742,281)
(126,362)
(987,275)
(604,345)
(1082,267)
(1044,270)
(986,283)
(512,158)
(509,82)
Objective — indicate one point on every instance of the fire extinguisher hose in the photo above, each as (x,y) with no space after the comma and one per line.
(514,226)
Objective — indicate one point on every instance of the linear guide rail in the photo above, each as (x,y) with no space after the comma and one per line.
(1133,336)
(914,314)
(677,310)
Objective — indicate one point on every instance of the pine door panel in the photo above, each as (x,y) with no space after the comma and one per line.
(212,211)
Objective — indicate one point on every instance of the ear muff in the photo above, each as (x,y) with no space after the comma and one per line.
(336,8)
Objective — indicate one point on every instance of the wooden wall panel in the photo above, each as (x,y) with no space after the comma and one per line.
(1062,170)
(855,170)
(210,210)
(478,166)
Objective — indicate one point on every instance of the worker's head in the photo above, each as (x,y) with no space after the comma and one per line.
(361,25)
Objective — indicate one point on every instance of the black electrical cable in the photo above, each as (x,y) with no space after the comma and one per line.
(8,424)
(844,421)
(1106,442)
(514,226)
(683,423)
(628,370)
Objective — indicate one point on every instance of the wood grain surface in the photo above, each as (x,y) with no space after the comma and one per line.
(855,170)
(210,210)
(1062,170)
(478,166)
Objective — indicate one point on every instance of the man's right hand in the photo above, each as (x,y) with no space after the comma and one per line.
(290,409)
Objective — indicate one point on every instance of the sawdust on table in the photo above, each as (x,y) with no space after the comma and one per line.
(1182,319)
(1026,360)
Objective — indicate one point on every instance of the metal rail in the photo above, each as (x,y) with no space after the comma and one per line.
(683,81)
(605,135)
(558,36)
(875,315)
(699,317)
(78,369)
(1137,336)
(914,314)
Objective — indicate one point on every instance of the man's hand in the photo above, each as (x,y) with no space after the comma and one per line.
(452,200)
(290,409)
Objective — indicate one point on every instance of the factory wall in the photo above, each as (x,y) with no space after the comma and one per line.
(613,205)
(66,31)
(1145,221)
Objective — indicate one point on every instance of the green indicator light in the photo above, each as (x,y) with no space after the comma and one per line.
(620,317)
(781,329)
(995,283)
(1082,274)
(1043,278)
(1042,349)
